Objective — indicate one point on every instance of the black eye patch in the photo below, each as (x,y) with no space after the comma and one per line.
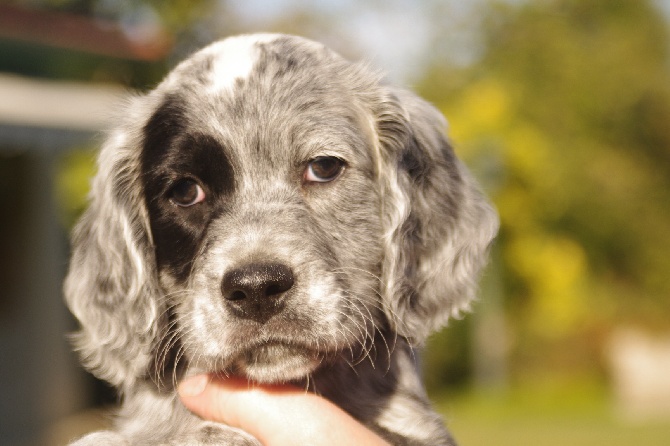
(187,178)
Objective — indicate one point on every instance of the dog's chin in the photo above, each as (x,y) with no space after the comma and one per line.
(275,363)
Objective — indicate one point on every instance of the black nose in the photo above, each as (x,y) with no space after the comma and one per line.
(257,290)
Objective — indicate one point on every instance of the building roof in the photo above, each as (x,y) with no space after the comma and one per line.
(42,115)
(57,104)
(80,33)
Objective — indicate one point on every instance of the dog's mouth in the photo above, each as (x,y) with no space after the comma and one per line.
(273,362)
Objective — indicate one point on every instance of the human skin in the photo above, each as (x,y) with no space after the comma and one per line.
(277,415)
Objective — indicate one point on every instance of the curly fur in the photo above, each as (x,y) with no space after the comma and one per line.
(379,257)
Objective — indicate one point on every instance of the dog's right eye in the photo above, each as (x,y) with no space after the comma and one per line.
(186,192)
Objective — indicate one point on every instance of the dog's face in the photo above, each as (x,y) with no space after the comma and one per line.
(268,208)
(264,209)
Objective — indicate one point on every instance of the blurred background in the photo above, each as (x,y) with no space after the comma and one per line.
(561,108)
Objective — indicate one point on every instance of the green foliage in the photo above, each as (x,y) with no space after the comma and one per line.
(36,60)
(73,176)
(447,358)
(571,101)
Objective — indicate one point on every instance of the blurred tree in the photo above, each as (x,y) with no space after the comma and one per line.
(565,116)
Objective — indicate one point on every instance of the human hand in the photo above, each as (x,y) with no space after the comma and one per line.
(277,415)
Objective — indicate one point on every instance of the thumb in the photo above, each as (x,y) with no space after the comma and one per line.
(277,415)
(260,410)
(210,398)
(240,403)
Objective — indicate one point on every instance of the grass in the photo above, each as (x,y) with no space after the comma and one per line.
(547,416)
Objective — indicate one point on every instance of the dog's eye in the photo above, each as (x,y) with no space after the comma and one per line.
(323,169)
(186,193)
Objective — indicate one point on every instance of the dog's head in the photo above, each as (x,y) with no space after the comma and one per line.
(267,207)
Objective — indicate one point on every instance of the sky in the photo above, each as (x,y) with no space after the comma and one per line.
(397,36)
(388,33)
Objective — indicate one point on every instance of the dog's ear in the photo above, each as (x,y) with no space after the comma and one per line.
(111,285)
(438,226)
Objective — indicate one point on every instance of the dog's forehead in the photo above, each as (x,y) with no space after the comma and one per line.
(232,59)
(257,91)
(271,102)
(220,65)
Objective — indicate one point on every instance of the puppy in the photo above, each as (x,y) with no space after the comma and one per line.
(274,212)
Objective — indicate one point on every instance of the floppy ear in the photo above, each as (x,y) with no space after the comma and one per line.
(111,285)
(438,225)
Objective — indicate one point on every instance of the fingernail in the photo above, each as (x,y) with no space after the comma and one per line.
(194,385)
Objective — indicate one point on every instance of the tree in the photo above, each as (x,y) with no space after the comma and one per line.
(567,112)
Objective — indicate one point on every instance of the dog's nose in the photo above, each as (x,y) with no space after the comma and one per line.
(256,290)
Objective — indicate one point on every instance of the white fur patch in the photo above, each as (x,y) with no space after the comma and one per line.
(234,58)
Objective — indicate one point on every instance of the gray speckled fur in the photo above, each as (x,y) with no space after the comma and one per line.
(383,256)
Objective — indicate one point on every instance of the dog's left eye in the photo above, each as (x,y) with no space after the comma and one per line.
(186,193)
(323,169)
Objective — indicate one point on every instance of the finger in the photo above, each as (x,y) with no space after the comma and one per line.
(209,398)
(259,410)
(276,415)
